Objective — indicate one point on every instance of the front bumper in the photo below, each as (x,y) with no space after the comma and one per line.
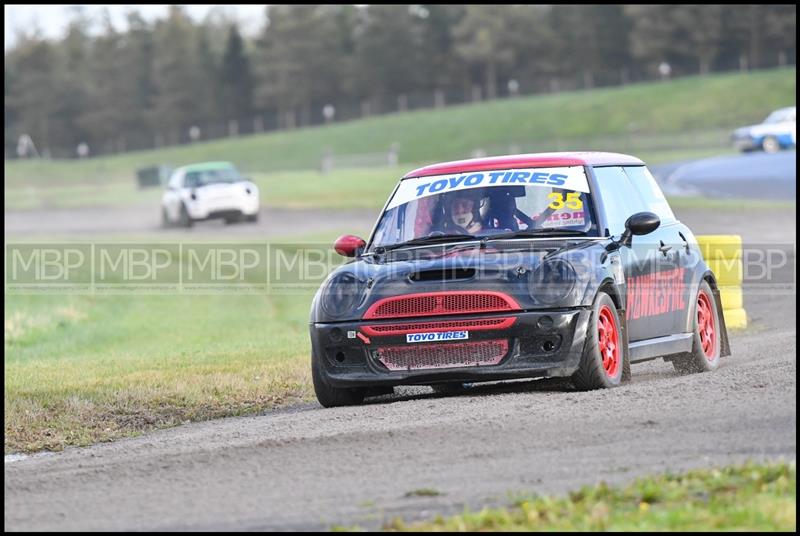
(546,343)
(213,208)
(744,143)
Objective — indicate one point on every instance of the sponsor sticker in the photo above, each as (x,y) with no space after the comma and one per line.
(564,219)
(437,336)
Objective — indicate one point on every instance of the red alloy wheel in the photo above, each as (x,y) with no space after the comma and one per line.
(608,340)
(705,325)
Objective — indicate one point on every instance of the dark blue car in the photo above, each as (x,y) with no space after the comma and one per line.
(525,266)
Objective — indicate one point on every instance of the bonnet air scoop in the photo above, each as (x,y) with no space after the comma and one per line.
(442,274)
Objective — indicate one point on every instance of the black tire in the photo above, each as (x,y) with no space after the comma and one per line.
(770,144)
(184,220)
(591,373)
(252,217)
(165,221)
(331,397)
(697,360)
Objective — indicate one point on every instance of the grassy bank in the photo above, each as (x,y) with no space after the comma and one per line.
(85,368)
(641,118)
(750,497)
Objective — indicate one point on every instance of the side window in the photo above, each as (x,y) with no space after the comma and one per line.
(648,188)
(618,197)
(192,179)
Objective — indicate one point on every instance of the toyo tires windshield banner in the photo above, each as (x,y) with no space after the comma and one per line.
(568,178)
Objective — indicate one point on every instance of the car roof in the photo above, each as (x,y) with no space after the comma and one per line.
(587,158)
(207,166)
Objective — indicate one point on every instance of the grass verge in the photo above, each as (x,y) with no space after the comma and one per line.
(86,369)
(732,204)
(749,497)
(82,369)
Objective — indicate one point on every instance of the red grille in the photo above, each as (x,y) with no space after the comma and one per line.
(432,327)
(433,356)
(441,303)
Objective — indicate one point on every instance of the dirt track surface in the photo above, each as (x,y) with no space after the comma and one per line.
(310,468)
(145,221)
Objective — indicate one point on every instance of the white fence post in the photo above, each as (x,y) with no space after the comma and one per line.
(476,93)
(393,157)
(327,161)
(402,102)
(438,99)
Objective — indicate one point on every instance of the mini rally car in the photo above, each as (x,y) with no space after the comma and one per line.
(207,191)
(526,266)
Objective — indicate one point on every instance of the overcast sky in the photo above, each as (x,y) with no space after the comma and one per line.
(52,19)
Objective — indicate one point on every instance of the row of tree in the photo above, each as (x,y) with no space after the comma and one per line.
(174,80)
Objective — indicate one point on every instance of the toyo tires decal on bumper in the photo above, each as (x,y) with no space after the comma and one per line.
(437,336)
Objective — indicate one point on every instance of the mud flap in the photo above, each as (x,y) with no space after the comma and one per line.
(626,363)
(724,344)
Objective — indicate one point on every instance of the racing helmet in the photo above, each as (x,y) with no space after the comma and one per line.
(463,208)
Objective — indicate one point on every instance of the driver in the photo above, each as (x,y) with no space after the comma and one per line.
(462,213)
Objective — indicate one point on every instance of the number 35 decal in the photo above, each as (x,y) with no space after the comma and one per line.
(573,200)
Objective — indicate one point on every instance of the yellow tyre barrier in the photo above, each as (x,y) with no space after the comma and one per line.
(720,246)
(728,272)
(731,297)
(735,318)
(723,254)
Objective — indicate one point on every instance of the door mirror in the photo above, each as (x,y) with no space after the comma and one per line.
(641,223)
(349,245)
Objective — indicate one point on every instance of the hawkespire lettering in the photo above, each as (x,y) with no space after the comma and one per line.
(656,294)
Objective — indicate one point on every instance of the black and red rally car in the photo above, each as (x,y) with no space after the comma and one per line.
(524,266)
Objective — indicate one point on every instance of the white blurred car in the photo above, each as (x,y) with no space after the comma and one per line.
(208,190)
(778,131)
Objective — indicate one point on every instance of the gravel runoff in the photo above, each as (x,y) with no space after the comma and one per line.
(145,220)
(307,468)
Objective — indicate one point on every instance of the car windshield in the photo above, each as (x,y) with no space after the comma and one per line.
(534,201)
(212,176)
(779,116)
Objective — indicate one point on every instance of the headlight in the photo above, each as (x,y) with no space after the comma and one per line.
(342,294)
(552,281)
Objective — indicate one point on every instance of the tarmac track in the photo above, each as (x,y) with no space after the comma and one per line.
(307,468)
(755,175)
